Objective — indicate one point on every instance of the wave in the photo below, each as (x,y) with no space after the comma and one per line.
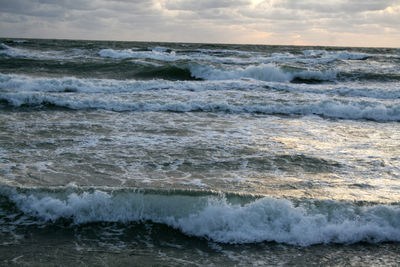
(167,55)
(226,51)
(335,55)
(222,218)
(323,56)
(12,82)
(31,54)
(234,57)
(274,73)
(157,53)
(372,75)
(166,63)
(310,57)
(13,52)
(355,110)
(214,55)
(19,41)
(263,72)
(374,91)
(193,71)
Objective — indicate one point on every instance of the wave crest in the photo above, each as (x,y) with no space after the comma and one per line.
(356,110)
(217,218)
(157,53)
(263,72)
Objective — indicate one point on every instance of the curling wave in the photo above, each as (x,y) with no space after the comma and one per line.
(222,218)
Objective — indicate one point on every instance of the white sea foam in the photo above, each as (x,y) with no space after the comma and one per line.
(310,57)
(371,90)
(12,52)
(335,55)
(167,55)
(146,63)
(263,72)
(196,182)
(4,46)
(156,54)
(26,83)
(159,49)
(19,41)
(12,82)
(111,53)
(35,54)
(328,108)
(227,51)
(234,57)
(265,219)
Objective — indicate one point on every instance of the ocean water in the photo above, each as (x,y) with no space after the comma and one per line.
(133,153)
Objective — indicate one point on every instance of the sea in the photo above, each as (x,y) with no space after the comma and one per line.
(183,154)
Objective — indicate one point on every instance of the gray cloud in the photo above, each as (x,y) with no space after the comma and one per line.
(203,4)
(244,21)
(337,6)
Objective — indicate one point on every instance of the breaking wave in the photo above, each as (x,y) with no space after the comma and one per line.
(157,53)
(237,57)
(12,82)
(263,72)
(82,85)
(354,110)
(335,55)
(222,218)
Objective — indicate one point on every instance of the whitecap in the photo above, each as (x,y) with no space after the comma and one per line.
(214,217)
(262,72)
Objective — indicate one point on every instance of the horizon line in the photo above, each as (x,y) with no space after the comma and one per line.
(182,42)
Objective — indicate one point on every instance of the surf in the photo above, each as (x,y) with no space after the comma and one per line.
(225,218)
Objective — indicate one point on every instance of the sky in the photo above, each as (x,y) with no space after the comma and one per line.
(367,23)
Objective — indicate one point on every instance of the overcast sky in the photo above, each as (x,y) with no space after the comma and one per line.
(293,22)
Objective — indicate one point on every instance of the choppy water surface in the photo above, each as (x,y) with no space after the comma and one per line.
(185,154)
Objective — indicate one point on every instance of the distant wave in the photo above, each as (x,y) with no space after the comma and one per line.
(12,82)
(19,41)
(263,72)
(335,55)
(328,108)
(164,54)
(211,67)
(167,55)
(311,66)
(13,52)
(213,216)
(157,54)
(234,56)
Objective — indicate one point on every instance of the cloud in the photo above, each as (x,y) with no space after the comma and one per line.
(194,5)
(335,6)
(314,22)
